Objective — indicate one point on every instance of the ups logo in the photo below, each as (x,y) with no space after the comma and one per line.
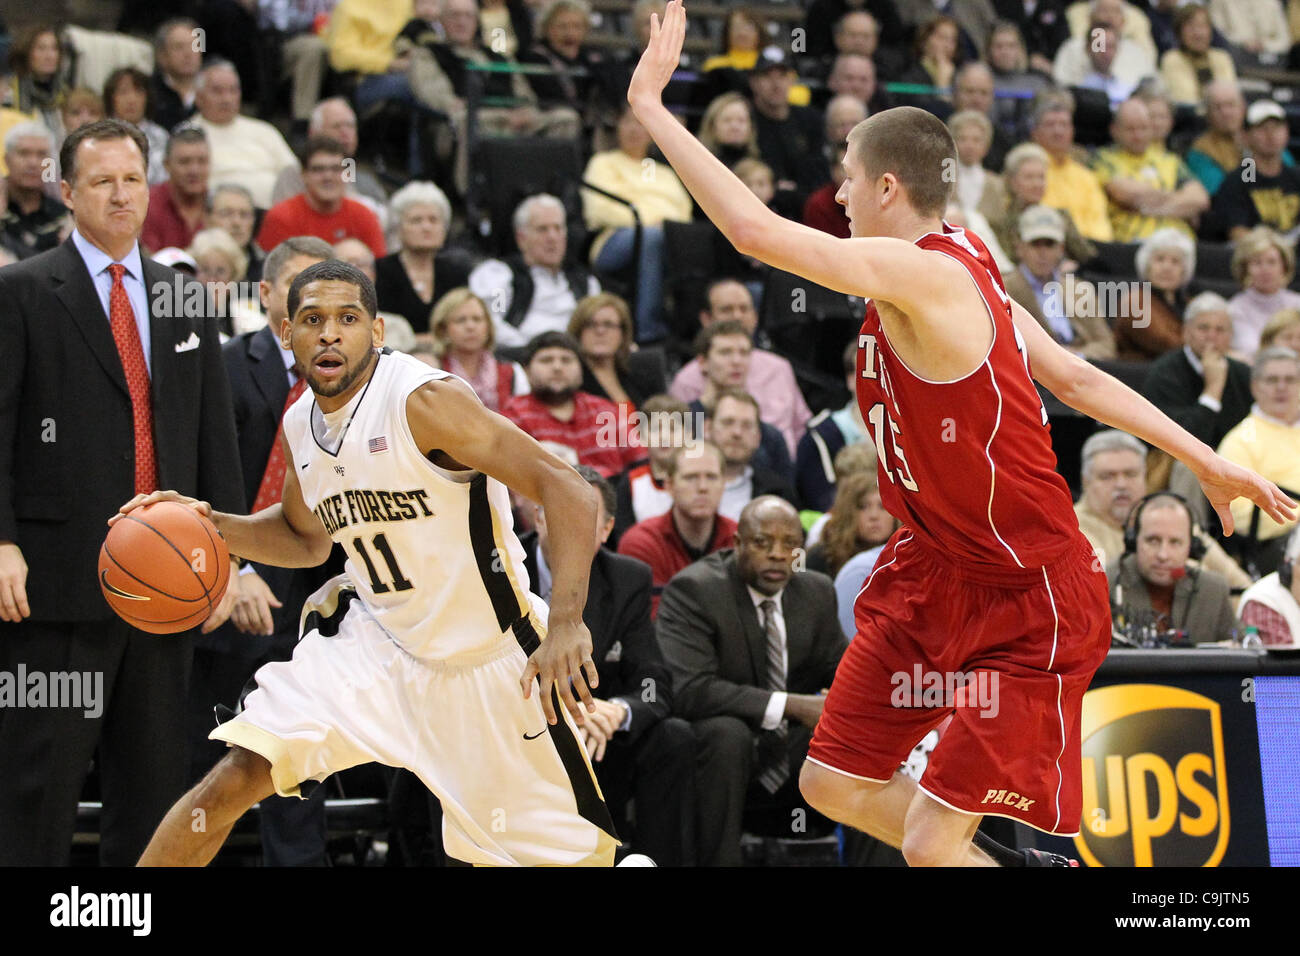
(1155,790)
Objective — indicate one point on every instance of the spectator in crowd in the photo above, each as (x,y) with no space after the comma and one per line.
(789,137)
(858,522)
(1039,29)
(1272,604)
(534,290)
(1161,108)
(971,21)
(36,84)
(1265,191)
(1103,61)
(1113,469)
(658,197)
(977,188)
(412,279)
(935,52)
(245,150)
(843,112)
(333,118)
(264,623)
(1153,584)
(602,326)
(743,33)
(580,78)
(727,129)
(849,584)
(1253,26)
(361,39)
(398,334)
(858,33)
(1147,190)
(1071,186)
(1199,385)
(126,97)
(824,16)
(859,457)
(80,107)
(439,82)
(973,92)
(643,489)
(1129,20)
(829,431)
(770,378)
(1217,152)
(322,209)
(33,220)
(1189,69)
(752,713)
(1069,311)
(222,266)
(304,52)
(1150,323)
(230,207)
(1283,329)
(557,412)
(692,527)
(821,211)
(637,749)
(507,24)
(1268,440)
(178,205)
(731,422)
(463,341)
(1026,180)
(853,75)
(1263,263)
(724,350)
(178,54)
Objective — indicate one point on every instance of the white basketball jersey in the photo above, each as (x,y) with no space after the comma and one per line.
(432,553)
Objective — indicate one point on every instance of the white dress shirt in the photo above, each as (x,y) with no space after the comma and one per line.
(775,713)
(550,310)
(97,262)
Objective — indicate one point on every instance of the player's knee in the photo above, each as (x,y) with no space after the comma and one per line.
(923,846)
(832,794)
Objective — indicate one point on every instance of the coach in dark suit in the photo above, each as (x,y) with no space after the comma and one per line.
(638,750)
(751,647)
(110,390)
(263,624)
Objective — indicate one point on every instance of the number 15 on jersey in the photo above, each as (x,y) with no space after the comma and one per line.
(894,463)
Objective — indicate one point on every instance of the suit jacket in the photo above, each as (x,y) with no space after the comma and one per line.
(66,426)
(1174,387)
(1092,336)
(623,642)
(717,652)
(1201,604)
(259,387)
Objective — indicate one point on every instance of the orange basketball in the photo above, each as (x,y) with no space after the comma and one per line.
(164,568)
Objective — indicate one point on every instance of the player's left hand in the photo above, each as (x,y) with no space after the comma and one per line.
(661,57)
(563,661)
(222,611)
(1222,481)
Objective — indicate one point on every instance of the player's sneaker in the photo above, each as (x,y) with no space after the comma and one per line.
(636,859)
(1043,858)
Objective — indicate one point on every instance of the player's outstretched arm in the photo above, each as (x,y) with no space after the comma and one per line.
(893,270)
(286,535)
(1088,389)
(447,416)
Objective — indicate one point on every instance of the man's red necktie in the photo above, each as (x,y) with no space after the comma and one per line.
(127,336)
(272,486)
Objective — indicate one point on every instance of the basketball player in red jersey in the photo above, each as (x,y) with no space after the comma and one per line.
(989,577)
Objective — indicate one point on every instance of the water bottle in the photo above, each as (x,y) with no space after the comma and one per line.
(1251,640)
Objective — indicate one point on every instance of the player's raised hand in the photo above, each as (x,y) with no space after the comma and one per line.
(661,56)
(563,661)
(139,501)
(1222,481)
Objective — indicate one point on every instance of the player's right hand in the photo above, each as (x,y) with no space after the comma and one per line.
(139,501)
(252,611)
(13,583)
(563,662)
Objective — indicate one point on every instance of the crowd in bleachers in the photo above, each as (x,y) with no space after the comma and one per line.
(1129,165)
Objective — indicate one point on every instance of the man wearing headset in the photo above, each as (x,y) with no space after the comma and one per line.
(1272,603)
(1153,582)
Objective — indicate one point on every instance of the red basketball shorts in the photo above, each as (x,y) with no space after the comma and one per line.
(1008,653)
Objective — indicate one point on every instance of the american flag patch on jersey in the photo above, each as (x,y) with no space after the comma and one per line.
(379,444)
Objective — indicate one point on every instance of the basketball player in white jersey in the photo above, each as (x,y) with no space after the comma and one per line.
(426,652)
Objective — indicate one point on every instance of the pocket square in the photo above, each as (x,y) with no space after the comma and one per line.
(189,344)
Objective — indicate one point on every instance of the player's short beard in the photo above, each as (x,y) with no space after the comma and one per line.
(347,381)
(555,396)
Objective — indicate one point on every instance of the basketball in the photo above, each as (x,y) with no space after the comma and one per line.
(163,568)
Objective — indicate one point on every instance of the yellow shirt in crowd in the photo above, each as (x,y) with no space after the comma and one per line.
(1272,449)
(1156,167)
(1073,187)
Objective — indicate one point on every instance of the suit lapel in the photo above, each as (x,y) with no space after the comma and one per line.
(755,639)
(74,288)
(598,606)
(162,328)
(268,370)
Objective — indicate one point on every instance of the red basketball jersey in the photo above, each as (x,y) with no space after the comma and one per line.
(967,465)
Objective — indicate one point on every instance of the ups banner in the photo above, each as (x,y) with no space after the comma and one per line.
(1171,776)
